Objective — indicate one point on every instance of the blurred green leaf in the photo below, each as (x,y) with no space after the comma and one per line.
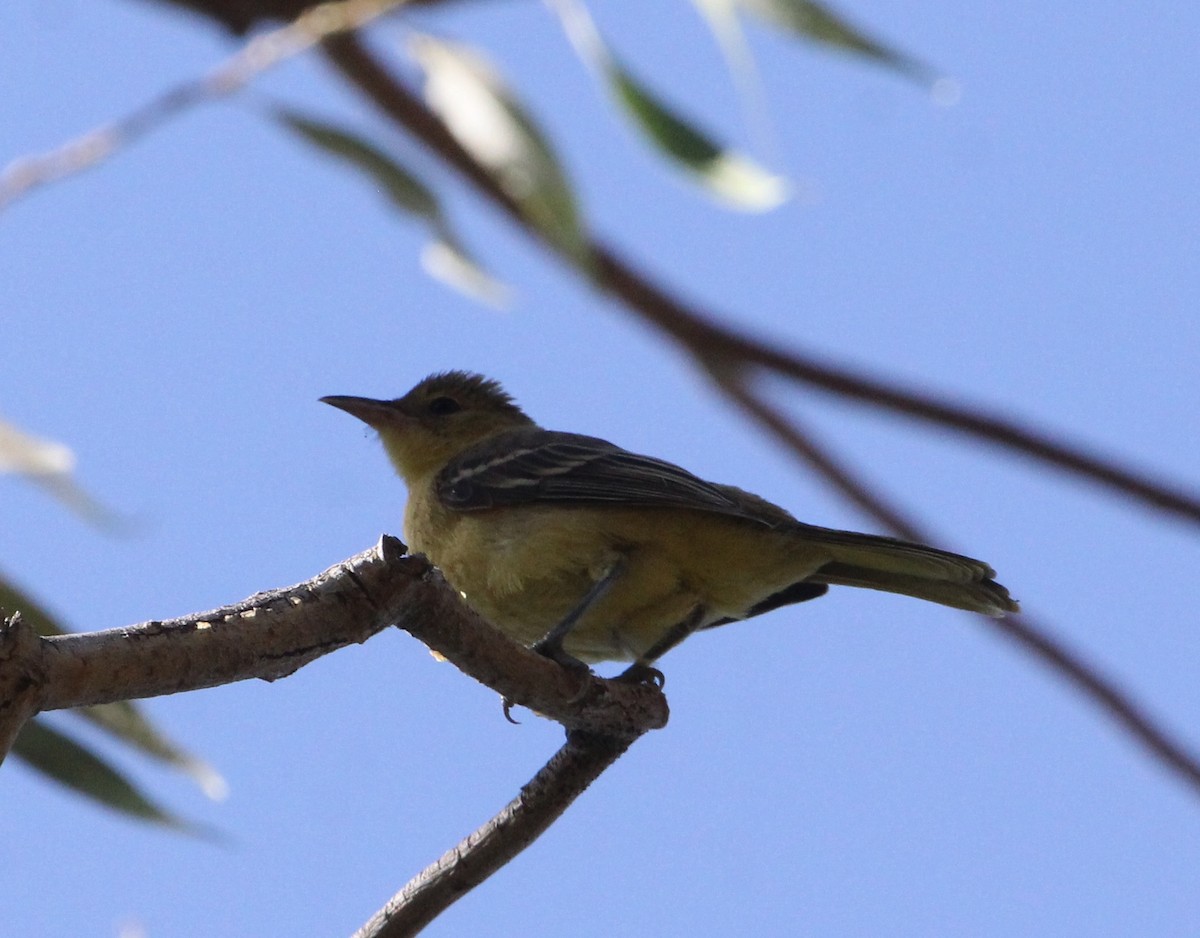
(734,178)
(407,192)
(123,719)
(463,88)
(63,759)
(128,723)
(819,23)
(401,186)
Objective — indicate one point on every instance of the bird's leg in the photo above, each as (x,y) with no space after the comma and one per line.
(643,670)
(550,645)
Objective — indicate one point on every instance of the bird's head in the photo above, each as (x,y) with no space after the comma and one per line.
(436,420)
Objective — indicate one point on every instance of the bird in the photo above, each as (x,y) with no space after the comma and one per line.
(589,552)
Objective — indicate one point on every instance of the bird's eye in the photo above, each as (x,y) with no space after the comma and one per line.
(441,406)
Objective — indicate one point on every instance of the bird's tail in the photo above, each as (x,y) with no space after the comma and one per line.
(884,563)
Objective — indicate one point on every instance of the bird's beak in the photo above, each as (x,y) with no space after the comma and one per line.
(375,414)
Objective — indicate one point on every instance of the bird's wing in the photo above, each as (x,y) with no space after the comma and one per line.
(532,465)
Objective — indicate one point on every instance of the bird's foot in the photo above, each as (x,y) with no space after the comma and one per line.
(549,648)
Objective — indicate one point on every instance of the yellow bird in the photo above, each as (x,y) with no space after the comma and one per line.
(571,544)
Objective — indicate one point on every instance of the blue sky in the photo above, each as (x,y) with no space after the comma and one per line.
(862,765)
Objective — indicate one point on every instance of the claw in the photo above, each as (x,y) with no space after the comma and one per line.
(641,673)
(508,705)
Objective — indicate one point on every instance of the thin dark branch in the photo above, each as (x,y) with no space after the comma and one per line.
(705,337)
(996,429)
(1033,638)
(819,458)
(541,802)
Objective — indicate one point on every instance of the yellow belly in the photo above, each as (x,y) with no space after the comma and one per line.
(525,569)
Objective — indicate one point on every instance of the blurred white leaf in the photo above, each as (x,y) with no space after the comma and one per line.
(469,95)
(31,455)
(726,27)
(49,464)
(445,261)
